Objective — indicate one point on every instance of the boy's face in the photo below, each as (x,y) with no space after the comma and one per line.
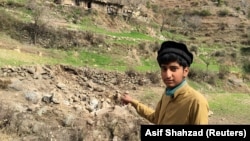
(172,74)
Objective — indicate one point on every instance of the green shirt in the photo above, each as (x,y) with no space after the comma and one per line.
(186,106)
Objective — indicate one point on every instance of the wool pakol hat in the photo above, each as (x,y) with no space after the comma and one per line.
(176,48)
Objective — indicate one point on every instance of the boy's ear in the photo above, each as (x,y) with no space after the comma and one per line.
(185,71)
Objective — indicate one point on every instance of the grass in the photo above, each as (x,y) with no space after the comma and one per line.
(211,67)
(83,57)
(232,105)
(17,1)
(74,58)
(148,65)
(122,42)
(87,58)
(87,25)
(14,58)
(174,36)
(133,35)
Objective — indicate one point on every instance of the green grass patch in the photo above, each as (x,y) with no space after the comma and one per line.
(174,36)
(200,66)
(228,104)
(147,65)
(83,58)
(14,58)
(132,34)
(17,1)
(124,42)
(213,67)
(87,25)
(195,85)
(93,59)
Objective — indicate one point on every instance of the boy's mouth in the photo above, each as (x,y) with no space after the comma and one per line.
(169,81)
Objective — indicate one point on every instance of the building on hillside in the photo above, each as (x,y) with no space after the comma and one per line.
(112,7)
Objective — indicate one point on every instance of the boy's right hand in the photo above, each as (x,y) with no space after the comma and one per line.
(126,99)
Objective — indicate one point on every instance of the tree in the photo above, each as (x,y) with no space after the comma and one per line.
(245,52)
(164,17)
(37,16)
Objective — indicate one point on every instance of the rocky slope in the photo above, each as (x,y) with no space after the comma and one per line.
(66,103)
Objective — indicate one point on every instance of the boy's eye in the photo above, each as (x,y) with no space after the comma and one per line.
(173,68)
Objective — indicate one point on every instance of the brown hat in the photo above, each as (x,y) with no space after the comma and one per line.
(176,48)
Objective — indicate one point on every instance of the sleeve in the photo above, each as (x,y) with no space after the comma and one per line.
(146,112)
(199,112)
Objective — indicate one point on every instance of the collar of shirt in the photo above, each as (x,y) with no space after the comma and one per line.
(171,91)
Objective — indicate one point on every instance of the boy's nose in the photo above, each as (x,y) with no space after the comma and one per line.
(168,73)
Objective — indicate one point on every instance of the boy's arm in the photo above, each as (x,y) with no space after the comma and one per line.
(147,112)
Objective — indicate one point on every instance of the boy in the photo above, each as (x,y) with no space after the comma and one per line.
(180,103)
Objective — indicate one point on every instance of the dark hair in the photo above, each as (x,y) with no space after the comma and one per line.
(172,57)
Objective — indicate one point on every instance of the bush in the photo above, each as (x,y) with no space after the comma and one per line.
(131,72)
(142,46)
(223,13)
(212,79)
(245,51)
(155,46)
(202,13)
(194,49)
(219,53)
(246,67)
(223,71)
(197,74)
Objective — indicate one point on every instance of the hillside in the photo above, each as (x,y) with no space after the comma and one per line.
(215,33)
(63,66)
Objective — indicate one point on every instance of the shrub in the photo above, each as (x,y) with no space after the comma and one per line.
(223,13)
(155,46)
(246,67)
(245,51)
(219,53)
(194,49)
(202,13)
(131,72)
(223,71)
(197,74)
(212,79)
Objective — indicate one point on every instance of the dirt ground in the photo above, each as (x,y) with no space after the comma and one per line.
(38,99)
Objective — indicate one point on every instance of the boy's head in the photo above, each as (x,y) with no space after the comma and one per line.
(174,60)
(171,51)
